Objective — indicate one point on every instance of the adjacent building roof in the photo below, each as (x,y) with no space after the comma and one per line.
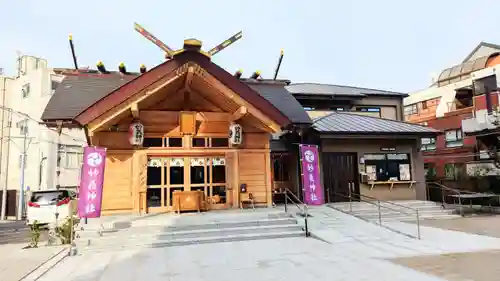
(479,46)
(337,90)
(349,123)
(462,71)
(77,92)
(283,100)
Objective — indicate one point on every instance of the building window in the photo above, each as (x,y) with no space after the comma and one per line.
(368,109)
(21,161)
(428,144)
(430,170)
(199,142)
(53,86)
(70,156)
(152,142)
(411,109)
(174,142)
(454,138)
(23,127)
(453,171)
(219,142)
(388,167)
(25,90)
(424,104)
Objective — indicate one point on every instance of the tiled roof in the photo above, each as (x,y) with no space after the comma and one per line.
(76,93)
(349,123)
(338,90)
(283,100)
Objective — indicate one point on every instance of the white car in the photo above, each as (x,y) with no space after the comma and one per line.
(42,206)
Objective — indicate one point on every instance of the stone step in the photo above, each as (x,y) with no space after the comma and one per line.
(191,241)
(128,238)
(157,228)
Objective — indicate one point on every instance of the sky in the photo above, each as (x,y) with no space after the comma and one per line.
(385,44)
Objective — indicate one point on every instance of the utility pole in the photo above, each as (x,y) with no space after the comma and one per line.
(58,168)
(20,210)
(6,183)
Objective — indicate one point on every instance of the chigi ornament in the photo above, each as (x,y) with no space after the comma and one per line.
(136,133)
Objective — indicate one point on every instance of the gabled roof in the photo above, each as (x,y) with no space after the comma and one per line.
(481,44)
(337,90)
(80,91)
(354,124)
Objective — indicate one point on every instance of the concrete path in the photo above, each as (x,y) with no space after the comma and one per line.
(349,249)
(16,263)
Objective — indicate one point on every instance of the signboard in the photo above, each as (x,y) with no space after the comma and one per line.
(91,182)
(311,185)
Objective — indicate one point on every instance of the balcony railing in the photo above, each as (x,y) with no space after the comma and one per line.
(482,168)
(481,122)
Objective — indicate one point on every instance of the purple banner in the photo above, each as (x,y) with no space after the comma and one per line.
(91,181)
(311,184)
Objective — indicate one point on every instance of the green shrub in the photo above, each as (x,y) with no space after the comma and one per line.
(34,234)
(66,231)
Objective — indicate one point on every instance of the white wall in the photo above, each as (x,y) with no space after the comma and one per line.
(41,141)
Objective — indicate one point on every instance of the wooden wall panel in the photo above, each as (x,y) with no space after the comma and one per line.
(252,171)
(218,127)
(139,180)
(255,140)
(155,117)
(114,140)
(117,190)
(188,122)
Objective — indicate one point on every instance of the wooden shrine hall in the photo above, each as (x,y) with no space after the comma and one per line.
(185,135)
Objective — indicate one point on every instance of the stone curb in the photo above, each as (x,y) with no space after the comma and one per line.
(43,268)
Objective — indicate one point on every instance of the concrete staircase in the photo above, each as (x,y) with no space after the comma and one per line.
(172,230)
(389,212)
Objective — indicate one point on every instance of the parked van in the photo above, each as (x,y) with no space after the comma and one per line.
(43,205)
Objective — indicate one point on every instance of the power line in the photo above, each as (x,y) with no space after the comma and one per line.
(20,113)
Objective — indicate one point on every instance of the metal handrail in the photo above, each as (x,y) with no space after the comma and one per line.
(457,192)
(303,210)
(385,202)
(379,206)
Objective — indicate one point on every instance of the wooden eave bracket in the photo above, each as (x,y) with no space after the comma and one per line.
(134,109)
(238,114)
(189,76)
(59,126)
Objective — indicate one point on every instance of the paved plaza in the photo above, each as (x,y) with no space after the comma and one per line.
(345,249)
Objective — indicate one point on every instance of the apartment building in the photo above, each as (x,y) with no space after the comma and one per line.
(458,102)
(322,99)
(24,98)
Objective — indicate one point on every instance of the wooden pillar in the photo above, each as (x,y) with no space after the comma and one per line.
(269,179)
(235,181)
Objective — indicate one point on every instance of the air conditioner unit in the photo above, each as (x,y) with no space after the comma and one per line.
(235,134)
